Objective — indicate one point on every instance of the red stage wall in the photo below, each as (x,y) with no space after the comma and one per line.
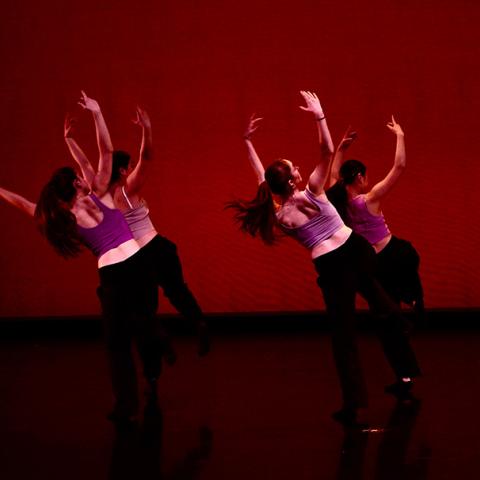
(200,69)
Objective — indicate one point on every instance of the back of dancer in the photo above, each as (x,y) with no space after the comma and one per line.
(126,185)
(73,214)
(360,207)
(344,261)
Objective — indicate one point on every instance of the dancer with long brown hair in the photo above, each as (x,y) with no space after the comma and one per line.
(125,186)
(344,261)
(72,214)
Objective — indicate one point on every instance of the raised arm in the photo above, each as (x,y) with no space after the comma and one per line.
(317,179)
(137,178)
(77,153)
(253,157)
(339,156)
(384,186)
(105,148)
(18,201)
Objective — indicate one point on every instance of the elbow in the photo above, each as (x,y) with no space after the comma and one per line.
(147,154)
(100,185)
(401,164)
(106,151)
(326,150)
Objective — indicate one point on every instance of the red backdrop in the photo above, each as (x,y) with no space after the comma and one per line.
(200,69)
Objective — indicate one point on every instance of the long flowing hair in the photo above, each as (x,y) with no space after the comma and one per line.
(337,194)
(258,216)
(53,216)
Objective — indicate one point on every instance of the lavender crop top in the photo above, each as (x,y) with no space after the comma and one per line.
(138,218)
(372,227)
(110,233)
(320,227)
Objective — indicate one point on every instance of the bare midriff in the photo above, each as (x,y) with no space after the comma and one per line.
(119,254)
(379,246)
(331,243)
(143,240)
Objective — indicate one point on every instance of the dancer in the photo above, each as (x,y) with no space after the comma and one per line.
(125,187)
(343,260)
(360,207)
(71,215)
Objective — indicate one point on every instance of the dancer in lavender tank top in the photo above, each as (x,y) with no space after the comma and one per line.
(344,261)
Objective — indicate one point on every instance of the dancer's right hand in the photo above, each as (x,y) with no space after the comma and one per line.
(88,103)
(142,119)
(394,127)
(312,104)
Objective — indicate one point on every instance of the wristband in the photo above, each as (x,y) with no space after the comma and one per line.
(320,118)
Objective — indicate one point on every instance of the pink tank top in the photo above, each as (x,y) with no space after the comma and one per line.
(361,221)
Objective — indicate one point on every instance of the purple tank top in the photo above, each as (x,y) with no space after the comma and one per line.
(111,232)
(372,227)
(318,228)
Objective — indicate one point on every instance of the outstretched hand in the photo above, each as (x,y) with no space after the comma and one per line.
(394,127)
(313,103)
(142,119)
(252,126)
(88,103)
(68,125)
(348,138)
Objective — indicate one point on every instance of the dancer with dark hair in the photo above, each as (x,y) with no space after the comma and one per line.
(71,215)
(360,207)
(343,260)
(125,186)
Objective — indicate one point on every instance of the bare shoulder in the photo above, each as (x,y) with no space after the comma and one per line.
(297,211)
(322,196)
(372,203)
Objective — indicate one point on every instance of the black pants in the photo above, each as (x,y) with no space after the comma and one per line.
(163,258)
(342,273)
(397,271)
(129,299)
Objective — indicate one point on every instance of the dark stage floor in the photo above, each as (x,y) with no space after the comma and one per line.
(258,407)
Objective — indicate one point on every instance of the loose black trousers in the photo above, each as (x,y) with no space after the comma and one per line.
(342,273)
(129,297)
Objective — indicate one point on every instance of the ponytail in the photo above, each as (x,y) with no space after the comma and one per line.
(337,195)
(257,216)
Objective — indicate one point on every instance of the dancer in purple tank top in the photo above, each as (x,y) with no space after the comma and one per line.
(343,260)
(126,185)
(360,207)
(73,214)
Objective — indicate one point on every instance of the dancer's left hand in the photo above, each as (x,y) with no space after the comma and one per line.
(348,138)
(68,126)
